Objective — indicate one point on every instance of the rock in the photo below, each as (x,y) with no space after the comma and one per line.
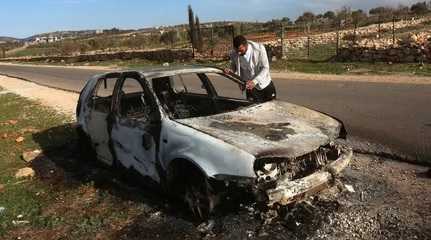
(206,227)
(25,173)
(349,188)
(19,140)
(31,155)
(12,122)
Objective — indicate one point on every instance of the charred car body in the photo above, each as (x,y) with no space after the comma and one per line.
(193,131)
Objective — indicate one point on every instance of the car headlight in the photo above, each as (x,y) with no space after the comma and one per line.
(267,172)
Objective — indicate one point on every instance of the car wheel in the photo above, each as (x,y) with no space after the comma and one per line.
(191,185)
(199,195)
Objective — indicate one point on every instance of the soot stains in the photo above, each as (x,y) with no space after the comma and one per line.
(272,131)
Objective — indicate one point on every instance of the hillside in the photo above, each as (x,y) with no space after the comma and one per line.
(8,39)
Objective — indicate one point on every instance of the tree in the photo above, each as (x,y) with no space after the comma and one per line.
(401,11)
(286,20)
(199,38)
(344,14)
(307,17)
(329,15)
(419,8)
(379,11)
(169,37)
(192,31)
(358,16)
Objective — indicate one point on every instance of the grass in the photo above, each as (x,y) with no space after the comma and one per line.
(34,52)
(69,198)
(353,68)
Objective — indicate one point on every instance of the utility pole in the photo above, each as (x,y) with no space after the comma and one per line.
(337,49)
(393,30)
(283,49)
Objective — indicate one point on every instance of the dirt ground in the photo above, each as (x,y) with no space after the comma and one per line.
(391,200)
(376,198)
(62,101)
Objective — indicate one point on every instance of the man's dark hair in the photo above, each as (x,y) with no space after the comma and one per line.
(238,41)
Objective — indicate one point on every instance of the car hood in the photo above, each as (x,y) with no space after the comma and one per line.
(271,129)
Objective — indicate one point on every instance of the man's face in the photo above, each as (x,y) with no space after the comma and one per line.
(242,49)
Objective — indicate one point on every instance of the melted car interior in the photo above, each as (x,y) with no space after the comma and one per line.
(196,95)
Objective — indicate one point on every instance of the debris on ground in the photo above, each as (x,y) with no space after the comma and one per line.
(20,222)
(31,155)
(1,188)
(206,227)
(28,130)
(26,172)
(13,122)
(349,188)
(19,140)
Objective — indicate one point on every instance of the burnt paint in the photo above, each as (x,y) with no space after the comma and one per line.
(273,131)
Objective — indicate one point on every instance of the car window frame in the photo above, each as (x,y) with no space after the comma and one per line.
(214,90)
(204,82)
(98,84)
(145,86)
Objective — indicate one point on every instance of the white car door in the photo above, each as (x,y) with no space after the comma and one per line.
(134,129)
(98,117)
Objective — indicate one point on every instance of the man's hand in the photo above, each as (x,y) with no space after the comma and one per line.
(227,71)
(250,85)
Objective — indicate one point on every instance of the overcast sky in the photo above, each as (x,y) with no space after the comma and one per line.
(23,18)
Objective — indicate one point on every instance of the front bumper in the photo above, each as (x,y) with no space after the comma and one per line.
(288,191)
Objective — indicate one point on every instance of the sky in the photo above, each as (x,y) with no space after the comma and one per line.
(24,18)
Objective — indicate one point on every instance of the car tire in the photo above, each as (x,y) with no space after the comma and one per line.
(194,189)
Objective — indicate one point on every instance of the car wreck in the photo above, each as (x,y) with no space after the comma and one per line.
(193,131)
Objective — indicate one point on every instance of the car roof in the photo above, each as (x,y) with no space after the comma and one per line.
(160,72)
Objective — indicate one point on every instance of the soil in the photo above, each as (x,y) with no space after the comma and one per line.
(376,198)
(391,200)
(62,101)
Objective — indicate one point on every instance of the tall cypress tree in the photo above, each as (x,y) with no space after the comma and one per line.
(199,39)
(192,31)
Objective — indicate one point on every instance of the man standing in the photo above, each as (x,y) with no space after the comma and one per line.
(249,60)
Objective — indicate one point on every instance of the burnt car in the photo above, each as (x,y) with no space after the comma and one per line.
(193,131)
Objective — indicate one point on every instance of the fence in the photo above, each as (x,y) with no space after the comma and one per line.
(313,42)
(213,42)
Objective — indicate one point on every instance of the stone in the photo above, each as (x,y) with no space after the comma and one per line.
(19,140)
(26,172)
(13,122)
(349,188)
(31,155)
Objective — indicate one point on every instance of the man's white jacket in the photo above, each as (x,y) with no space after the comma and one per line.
(259,62)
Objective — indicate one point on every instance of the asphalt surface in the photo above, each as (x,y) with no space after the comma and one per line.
(397,115)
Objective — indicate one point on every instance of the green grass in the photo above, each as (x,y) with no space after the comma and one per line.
(35,52)
(69,198)
(354,68)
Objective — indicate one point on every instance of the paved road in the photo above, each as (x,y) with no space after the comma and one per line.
(397,115)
